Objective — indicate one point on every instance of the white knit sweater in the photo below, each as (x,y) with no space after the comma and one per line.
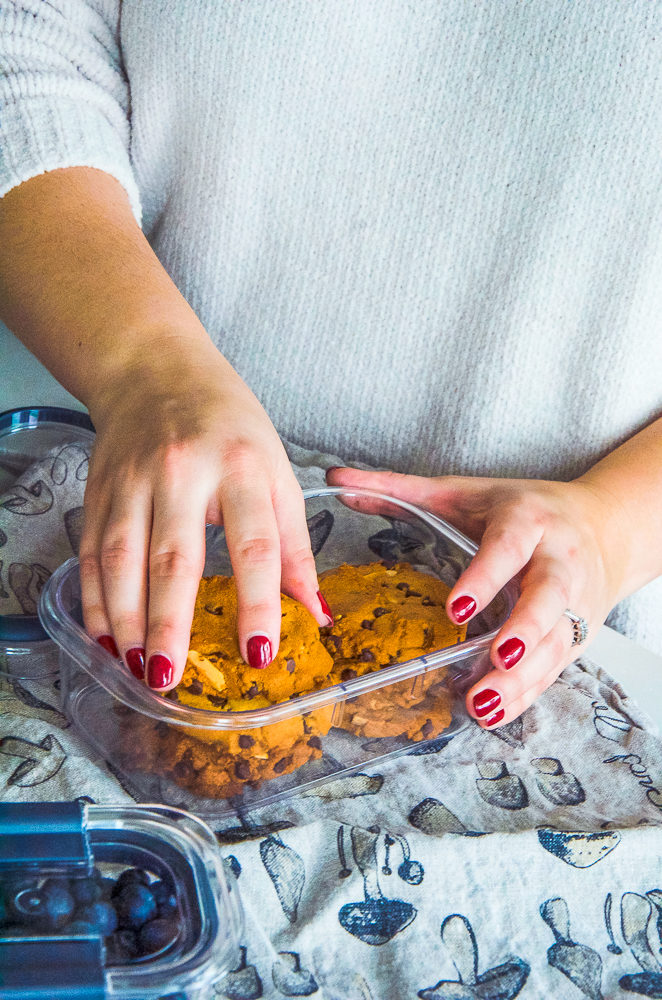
(428,234)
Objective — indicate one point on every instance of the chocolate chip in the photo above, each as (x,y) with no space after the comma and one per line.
(183,769)
(414,593)
(306,727)
(427,728)
(252,691)
(218,701)
(195,687)
(392,659)
(427,635)
(290,666)
(242,769)
(428,603)
(335,640)
(403,585)
(378,612)
(367,656)
(367,623)
(214,609)
(282,764)
(315,742)
(246,741)
(348,674)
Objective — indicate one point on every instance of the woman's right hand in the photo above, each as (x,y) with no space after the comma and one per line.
(181,442)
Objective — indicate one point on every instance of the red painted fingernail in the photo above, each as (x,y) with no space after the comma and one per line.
(159,671)
(511,652)
(258,649)
(463,608)
(135,661)
(486,701)
(493,719)
(109,644)
(325,607)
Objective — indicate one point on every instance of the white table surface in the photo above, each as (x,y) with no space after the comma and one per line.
(25,382)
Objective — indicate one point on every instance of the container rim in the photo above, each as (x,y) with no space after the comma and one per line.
(119,682)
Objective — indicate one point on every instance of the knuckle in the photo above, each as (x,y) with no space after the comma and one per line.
(116,556)
(172,562)
(88,561)
(256,551)
(239,461)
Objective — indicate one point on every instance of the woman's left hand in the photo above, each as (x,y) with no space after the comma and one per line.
(559,540)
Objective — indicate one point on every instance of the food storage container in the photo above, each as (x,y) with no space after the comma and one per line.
(112,901)
(214,762)
(27,435)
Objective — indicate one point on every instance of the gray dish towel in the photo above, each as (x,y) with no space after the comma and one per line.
(523,862)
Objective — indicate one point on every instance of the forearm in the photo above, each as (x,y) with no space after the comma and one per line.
(630,479)
(81,286)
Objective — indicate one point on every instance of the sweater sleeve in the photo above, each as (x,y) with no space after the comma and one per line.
(64,96)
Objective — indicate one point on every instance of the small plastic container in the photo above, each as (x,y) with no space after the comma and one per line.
(68,928)
(26,436)
(311,738)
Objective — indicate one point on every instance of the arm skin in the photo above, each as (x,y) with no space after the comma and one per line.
(181,440)
(583,545)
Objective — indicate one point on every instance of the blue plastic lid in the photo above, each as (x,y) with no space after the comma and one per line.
(31,432)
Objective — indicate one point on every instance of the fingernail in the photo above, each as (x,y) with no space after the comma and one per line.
(135,661)
(493,719)
(463,608)
(511,651)
(486,701)
(159,671)
(333,468)
(325,607)
(258,649)
(109,644)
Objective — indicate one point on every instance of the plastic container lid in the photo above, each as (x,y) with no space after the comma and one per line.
(27,434)
(67,868)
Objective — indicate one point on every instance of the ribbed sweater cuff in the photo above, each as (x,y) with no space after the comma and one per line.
(42,134)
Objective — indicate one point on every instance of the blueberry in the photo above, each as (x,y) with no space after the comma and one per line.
(135,905)
(102,916)
(59,905)
(157,934)
(165,897)
(122,946)
(130,877)
(85,890)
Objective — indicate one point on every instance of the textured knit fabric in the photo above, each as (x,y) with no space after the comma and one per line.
(428,235)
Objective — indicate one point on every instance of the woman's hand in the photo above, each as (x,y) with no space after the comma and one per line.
(180,438)
(181,441)
(564,544)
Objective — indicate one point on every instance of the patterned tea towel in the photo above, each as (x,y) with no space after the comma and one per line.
(524,862)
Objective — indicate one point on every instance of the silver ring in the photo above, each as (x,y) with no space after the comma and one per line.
(579,627)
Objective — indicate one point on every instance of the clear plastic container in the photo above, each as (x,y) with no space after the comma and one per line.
(26,436)
(112,901)
(208,761)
